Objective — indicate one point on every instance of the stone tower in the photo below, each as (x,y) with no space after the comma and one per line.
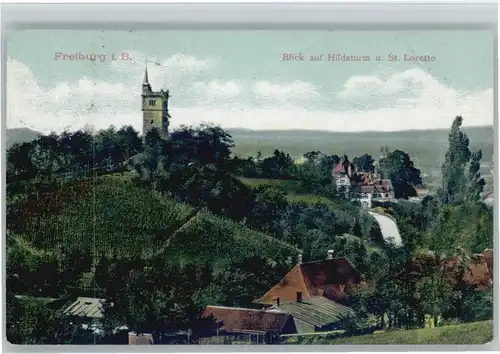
(154,108)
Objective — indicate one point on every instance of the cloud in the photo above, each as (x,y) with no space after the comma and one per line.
(217,89)
(177,62)
(162,72)
(297,90)
(407,100)
(410,87)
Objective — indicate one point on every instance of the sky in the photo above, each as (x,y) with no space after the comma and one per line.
(237,79)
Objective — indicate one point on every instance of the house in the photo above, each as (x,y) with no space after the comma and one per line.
(342,173)
(315,314)
(326,278)
(422,192)
(380,189)
(87,313)
(366,186)
(311,297)
(86,309)
(249,324)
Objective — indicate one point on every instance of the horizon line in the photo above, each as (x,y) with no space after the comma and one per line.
(281,129)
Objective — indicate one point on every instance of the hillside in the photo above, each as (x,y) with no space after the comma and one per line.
(294,193)
(290,188)
(112,216)
(469,333)
(19,135)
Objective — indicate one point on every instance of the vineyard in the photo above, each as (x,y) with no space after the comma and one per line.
(111,216)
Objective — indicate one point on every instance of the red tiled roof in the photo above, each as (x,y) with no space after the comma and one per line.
(367,178)
(325,278)
(234,320)
(478,272)
(339,168)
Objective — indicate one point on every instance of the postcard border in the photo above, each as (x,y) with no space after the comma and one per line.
(335,16)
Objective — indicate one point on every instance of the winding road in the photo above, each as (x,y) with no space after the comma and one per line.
(389,229)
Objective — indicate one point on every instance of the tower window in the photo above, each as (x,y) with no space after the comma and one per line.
(152,102)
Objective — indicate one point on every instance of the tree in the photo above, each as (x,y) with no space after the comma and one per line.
(475,305)
(30,321)
(206,186)
(157,296)
(475,183)
(107,151)
(454,179)
(81,146)
(313,156)
(364,163)
(205,144)
(155,161)
(30,271)
(430,210)
(311,177)
(434,292)
(266,209)
(129,141)
(278,166)
(239,283)
(398,167)
(47,154)
(21,171)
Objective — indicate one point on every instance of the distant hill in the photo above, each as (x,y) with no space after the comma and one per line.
(20,135)
(298,142)
(427,148)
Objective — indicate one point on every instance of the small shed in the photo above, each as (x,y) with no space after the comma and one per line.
(85,309)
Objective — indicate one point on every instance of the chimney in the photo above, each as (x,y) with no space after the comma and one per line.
(330,254)
(299,296)
(277,301)
(299,258)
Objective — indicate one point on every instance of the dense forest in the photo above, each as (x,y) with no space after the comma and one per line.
(162,228)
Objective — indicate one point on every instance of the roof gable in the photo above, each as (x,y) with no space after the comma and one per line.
(322,278)
(232,319)
(329,272)
(287,288)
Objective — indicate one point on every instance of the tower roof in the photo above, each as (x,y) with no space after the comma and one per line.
(146,80)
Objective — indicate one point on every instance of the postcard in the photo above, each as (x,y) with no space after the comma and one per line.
(249,187)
